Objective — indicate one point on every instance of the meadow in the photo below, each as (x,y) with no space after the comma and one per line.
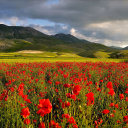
(50,57)
(62,92)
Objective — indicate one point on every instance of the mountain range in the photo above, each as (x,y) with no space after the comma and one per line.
(17,38)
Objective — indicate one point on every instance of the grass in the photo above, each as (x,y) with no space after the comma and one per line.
(50,57)
(100,54)
(56,59)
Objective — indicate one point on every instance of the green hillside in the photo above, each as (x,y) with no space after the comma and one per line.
(15,38)
(69,38)
(120,54)
(18,32)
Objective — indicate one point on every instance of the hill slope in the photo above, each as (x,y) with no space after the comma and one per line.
(69,38)
(15,38)
(18,32)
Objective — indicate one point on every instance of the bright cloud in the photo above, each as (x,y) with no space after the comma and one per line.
(105,21)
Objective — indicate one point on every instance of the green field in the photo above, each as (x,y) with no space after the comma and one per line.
(48,57)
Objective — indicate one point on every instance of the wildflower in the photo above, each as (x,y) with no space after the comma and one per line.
(11,89)
(125,118)
(121,96)
(66,116)
(65,104)
(105,111)
(111,92)
(118,121)
(25,112)
(71,120)
(114,111)
(44,107)
(111,105)
(52,124)
(41,125)
(111,115)
(66,85)
(34,121)
(76,90)
(116,105)
(109,85)
(90,98)
(56,90)
(69,95)
(27,121)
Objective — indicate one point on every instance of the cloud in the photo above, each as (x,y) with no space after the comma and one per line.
(97,19)
(75,33)
(115,30)
(94,38)
(51,30)
(2,23)
(14,21)
(42,29)
(67,11)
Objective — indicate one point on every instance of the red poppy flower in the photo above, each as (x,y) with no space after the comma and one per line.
(36,80)
(77,89)
(57,82)
(114,111)
(52,124)
(34,121)
(25,112)
(118,121)
(11,89)
(111,105)
(41,125)
(111,92)
(105,111)
(66,85)
(44,107)
(56,90)
(66,116)
(73,97)
(121,96)
(90,98)
(65,104)
(50,82)
(27,121)
(71,120)
(109,85)
(125,118)
(111,115)
(74,126)
(126,91)
(116,105)
(69,95)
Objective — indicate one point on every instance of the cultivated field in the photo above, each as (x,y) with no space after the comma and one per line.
(30,56)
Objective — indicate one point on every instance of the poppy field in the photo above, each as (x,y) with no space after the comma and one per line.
(64,95)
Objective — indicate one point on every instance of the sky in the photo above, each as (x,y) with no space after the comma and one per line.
(100,21)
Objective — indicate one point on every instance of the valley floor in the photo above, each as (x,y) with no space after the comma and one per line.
(37,56)
(55,59)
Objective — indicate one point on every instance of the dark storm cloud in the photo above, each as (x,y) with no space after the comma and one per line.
(82,15)
(74,12)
